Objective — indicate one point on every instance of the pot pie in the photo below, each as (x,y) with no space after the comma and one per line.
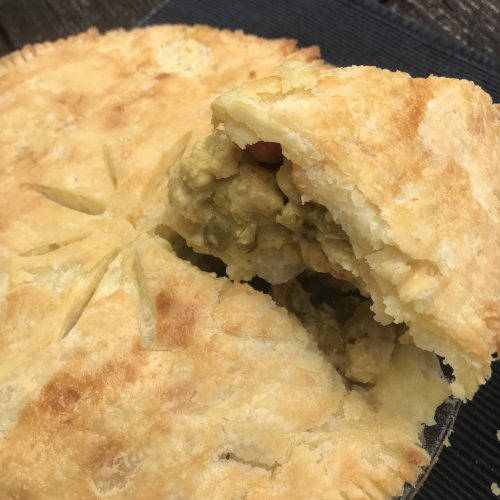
(128,369)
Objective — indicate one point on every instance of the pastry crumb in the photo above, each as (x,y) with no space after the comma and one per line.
(495,489)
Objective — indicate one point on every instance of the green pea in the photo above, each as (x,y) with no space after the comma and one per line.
(289,218)
(218,232)
(219,199)
(246,237)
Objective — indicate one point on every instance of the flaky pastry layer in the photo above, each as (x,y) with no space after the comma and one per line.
(409,169)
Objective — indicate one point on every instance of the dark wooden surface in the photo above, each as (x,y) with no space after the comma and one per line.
(30,21)
(475,23)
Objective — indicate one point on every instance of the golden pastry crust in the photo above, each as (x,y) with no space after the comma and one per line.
(101,116)
(409,168)
(221,405)
(231,407)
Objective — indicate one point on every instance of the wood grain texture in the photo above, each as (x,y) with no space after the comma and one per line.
(476,23)
(30,21)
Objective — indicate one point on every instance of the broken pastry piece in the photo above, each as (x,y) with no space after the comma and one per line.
(236,401)
(386,181)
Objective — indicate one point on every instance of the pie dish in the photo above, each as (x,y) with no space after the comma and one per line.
(125,370)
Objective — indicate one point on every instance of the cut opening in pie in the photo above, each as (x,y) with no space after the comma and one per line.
(244,207)
(249,213)
(268,204)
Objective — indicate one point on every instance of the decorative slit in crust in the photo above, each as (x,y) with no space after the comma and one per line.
(147,314)
(77,308)
(110,164)
(167,159)
(52,247)
(67,199)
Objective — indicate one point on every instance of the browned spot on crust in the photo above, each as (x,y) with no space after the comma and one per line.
(103,453)
(61,395)
(163,76)
(117,117)
(417,456)
(178,397)
(112,465)
(175,320)
(418,108)
(58,396)
(75,103)
(252,74)
(71,409)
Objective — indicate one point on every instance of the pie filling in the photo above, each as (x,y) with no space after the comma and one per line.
(249,214)
(242,207)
